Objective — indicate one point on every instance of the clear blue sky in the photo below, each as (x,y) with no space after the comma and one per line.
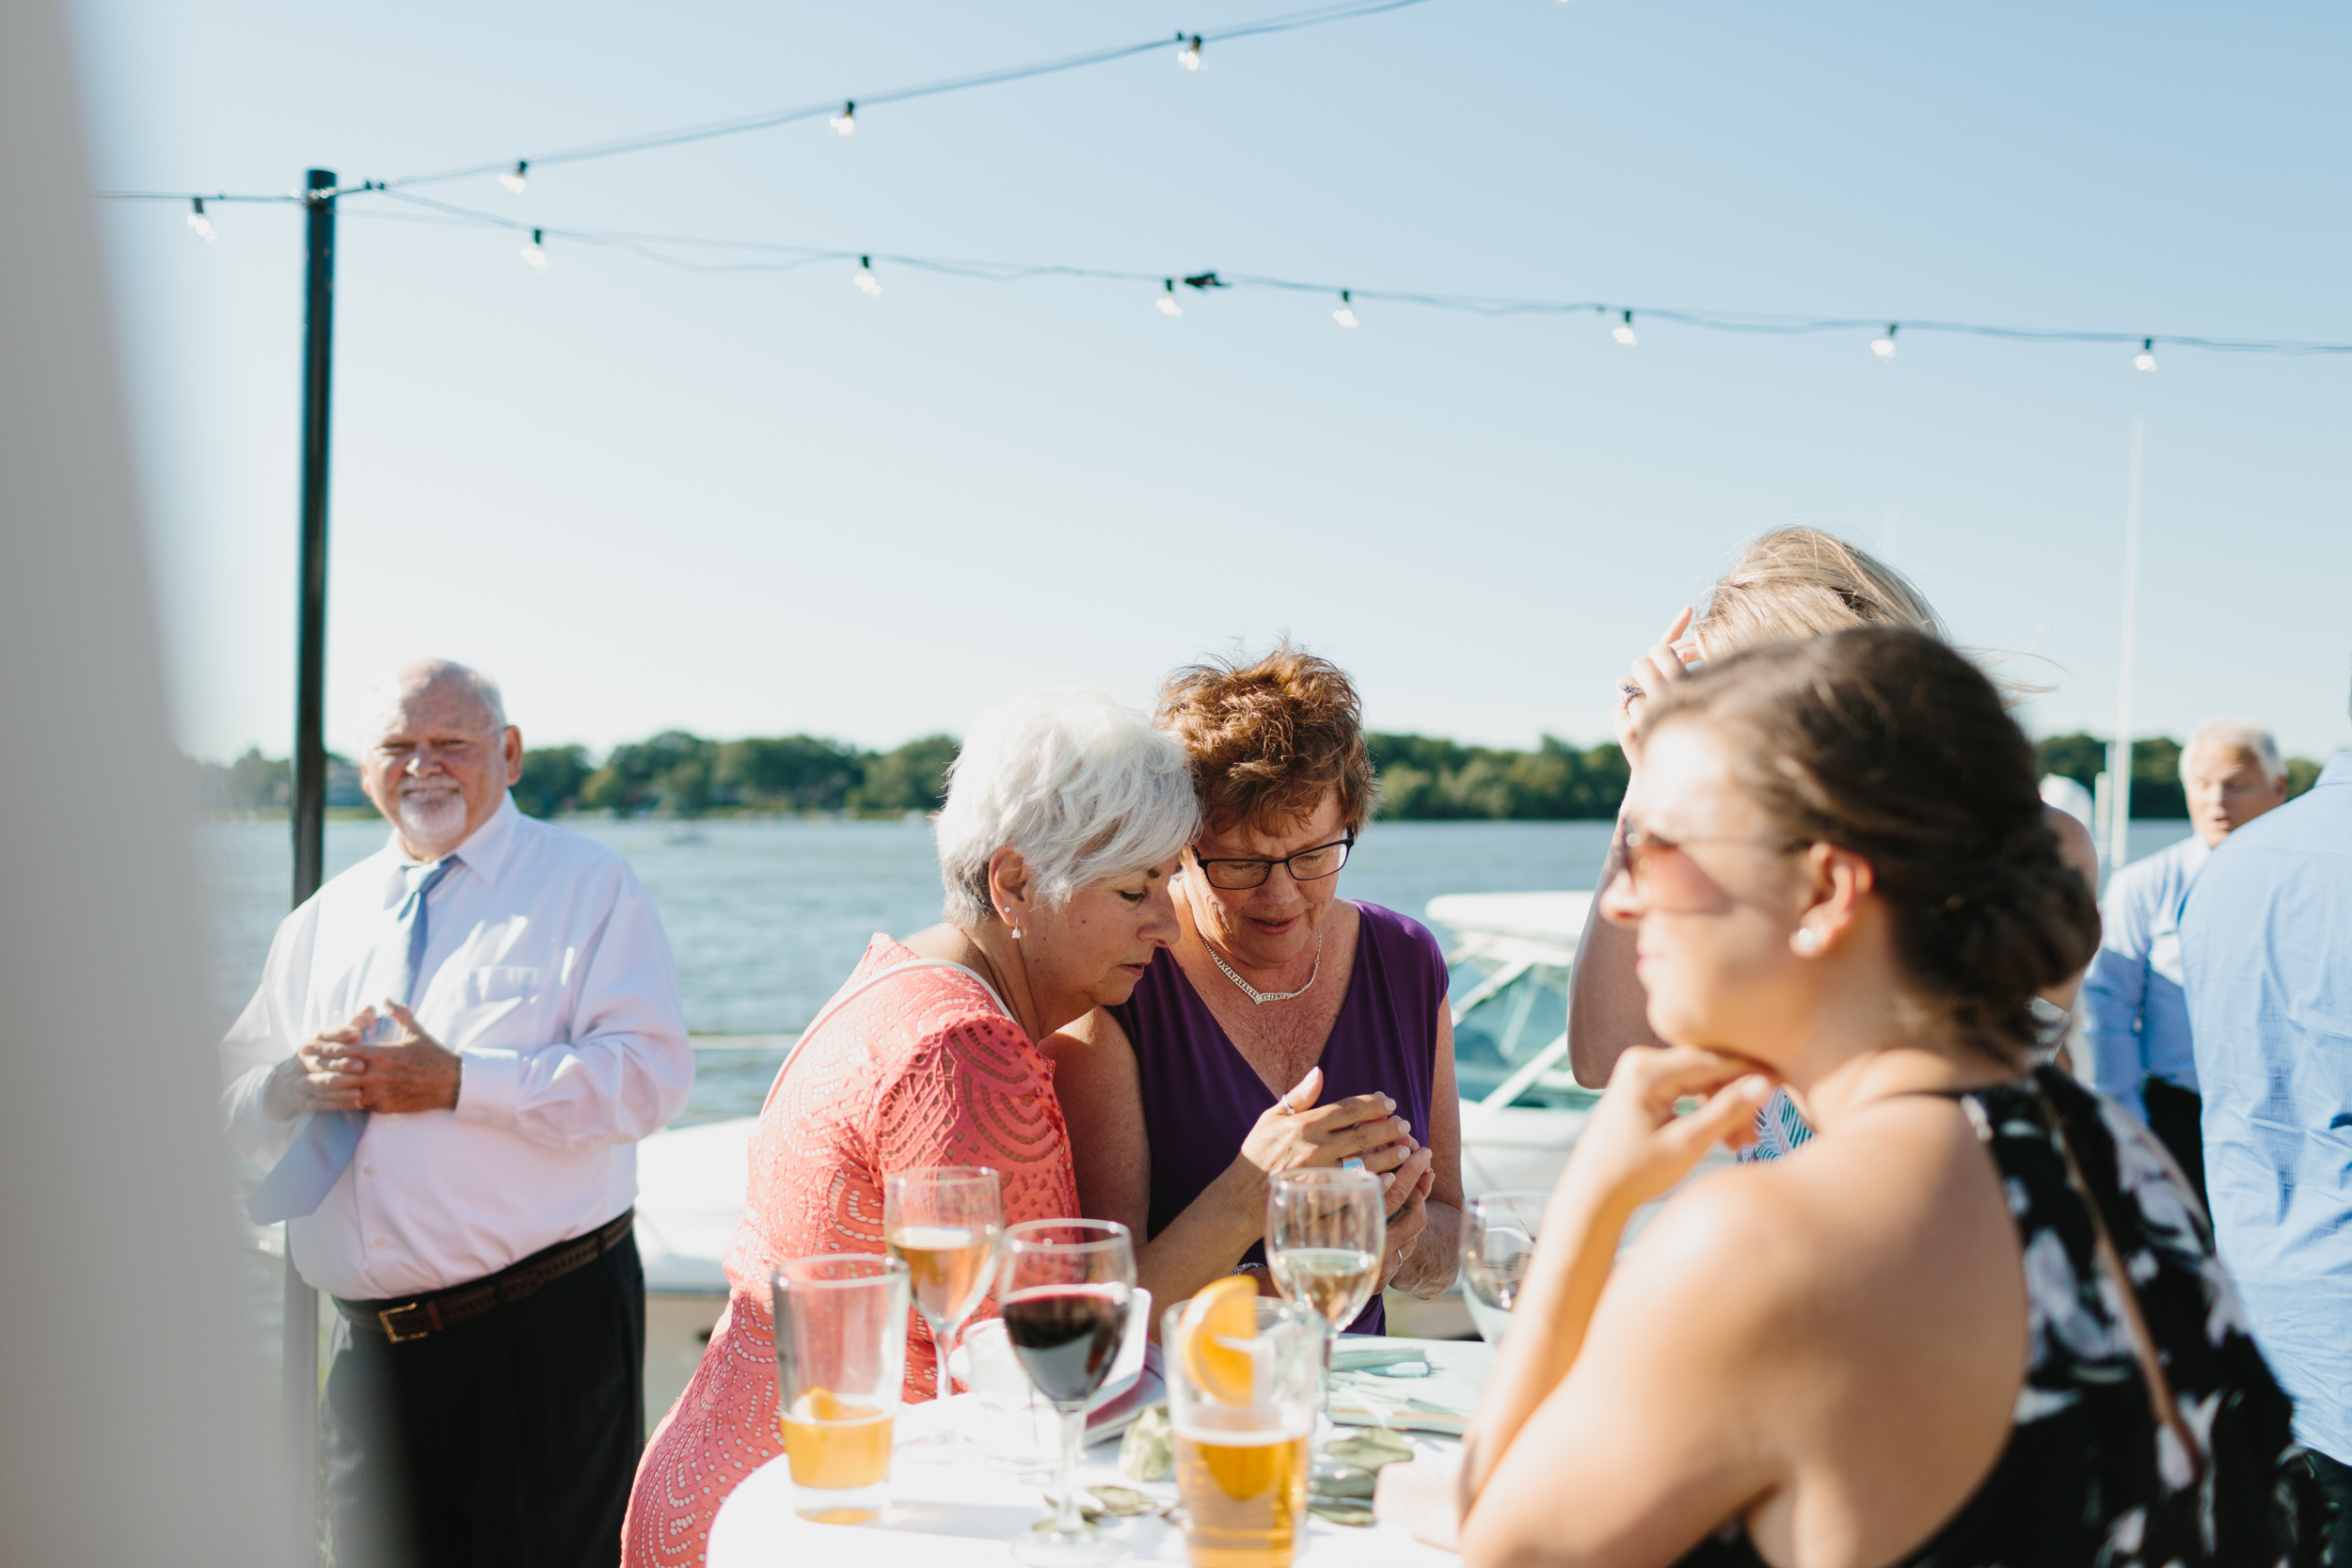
(756,504)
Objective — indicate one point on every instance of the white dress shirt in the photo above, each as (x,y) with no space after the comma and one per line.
(546,969)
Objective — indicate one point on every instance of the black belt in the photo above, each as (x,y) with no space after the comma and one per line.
(402,1321)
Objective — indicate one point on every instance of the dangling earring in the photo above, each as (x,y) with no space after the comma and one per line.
(1008,920)
(1807,942)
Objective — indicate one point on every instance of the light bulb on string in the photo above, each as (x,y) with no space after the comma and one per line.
(1883,346)
(2145,361)
(867,282)
(845,121)
(1623,331)
(200,225)
(1345,315)
(1189,54)
(513,179)
(1167,301)
(535,255)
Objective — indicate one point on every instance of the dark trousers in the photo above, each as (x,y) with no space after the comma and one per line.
(2335,1488)
(507,1441)
(2175,1116)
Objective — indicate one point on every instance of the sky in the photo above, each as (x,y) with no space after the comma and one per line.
(740,503)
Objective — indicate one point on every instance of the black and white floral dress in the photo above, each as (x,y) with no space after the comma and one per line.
(2091,1476)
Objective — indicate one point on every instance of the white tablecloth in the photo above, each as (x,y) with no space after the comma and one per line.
(966,1510)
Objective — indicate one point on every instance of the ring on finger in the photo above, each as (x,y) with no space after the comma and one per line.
(1629,691)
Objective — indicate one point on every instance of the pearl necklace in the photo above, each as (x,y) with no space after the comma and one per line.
(1263,997)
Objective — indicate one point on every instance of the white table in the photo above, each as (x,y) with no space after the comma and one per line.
(964,1513)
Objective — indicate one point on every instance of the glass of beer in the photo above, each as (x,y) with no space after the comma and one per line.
(841,1357)
(1243,1391)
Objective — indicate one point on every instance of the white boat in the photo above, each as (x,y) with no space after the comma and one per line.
(1521,1111)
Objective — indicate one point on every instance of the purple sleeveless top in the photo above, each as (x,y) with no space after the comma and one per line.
(1201,1098)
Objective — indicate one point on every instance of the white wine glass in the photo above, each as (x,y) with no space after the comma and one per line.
(1498,1231)
(942,1222)
(1325,1231)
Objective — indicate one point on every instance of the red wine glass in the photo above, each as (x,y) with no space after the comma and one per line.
(1063,1296)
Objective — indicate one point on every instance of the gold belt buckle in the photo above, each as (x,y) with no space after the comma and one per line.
(392,1330)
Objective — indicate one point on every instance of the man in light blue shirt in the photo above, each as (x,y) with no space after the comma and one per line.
(2137,1019)
(2267,943)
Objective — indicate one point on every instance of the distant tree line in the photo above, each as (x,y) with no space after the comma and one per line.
(679,774)
(254,782)
(2155,770)
(1424,779)
(1421,777)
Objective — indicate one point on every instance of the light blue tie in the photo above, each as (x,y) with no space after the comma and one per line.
(324,1145)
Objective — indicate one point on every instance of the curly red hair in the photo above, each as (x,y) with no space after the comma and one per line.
(1268,739)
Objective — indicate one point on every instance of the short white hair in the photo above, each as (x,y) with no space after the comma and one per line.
(2242,735)
(411,678)
(1085,788)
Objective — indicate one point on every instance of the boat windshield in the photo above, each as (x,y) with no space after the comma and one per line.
(1510,1031)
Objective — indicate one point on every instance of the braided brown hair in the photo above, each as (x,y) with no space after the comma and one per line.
(1885,742)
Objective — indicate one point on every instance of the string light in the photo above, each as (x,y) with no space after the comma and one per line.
(1189,55)
(199,224)
(1345,315)
(1167,301)
(535,255)
(1885,346)
(2145,361)
(845,121)
(513,180)
(866,278)
(1623,331)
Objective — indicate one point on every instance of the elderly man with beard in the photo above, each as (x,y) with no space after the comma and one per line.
(454,1048)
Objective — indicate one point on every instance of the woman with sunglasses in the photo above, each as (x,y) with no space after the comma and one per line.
(1286,1026)
(1979,1320)
(1786,585)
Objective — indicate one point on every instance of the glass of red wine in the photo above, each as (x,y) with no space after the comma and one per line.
(1063,1295)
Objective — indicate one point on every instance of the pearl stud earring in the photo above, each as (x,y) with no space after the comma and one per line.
(1807,942)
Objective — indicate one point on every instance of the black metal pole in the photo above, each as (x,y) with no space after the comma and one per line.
(301,1331)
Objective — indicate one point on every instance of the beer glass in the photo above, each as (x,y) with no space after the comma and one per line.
(841,1357)
(1498,1232)
(1244,1410)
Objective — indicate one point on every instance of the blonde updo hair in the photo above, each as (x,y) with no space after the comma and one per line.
(1800,582)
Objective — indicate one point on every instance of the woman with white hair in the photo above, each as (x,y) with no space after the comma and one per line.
(1064,818)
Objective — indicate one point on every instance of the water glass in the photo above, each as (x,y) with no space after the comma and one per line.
(841,1357)
(1499,1234)
(1244,1411)
(942,1222)
(1062,1293)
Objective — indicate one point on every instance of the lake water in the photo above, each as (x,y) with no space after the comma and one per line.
(768,916)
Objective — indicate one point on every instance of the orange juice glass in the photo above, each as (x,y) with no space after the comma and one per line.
(841,1350)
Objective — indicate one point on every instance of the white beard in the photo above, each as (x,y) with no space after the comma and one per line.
(432,820)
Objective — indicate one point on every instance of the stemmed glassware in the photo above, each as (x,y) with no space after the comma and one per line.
(1063,1291)
(942,1222)
(1325,1231)
(1499,1234)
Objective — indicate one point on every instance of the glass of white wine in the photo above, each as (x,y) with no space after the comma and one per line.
(1325,1231)
(942,1222)
(1499,1234)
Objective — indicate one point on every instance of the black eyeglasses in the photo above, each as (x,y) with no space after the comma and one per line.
(1307,866)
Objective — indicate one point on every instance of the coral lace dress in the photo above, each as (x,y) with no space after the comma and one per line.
(921,1068)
